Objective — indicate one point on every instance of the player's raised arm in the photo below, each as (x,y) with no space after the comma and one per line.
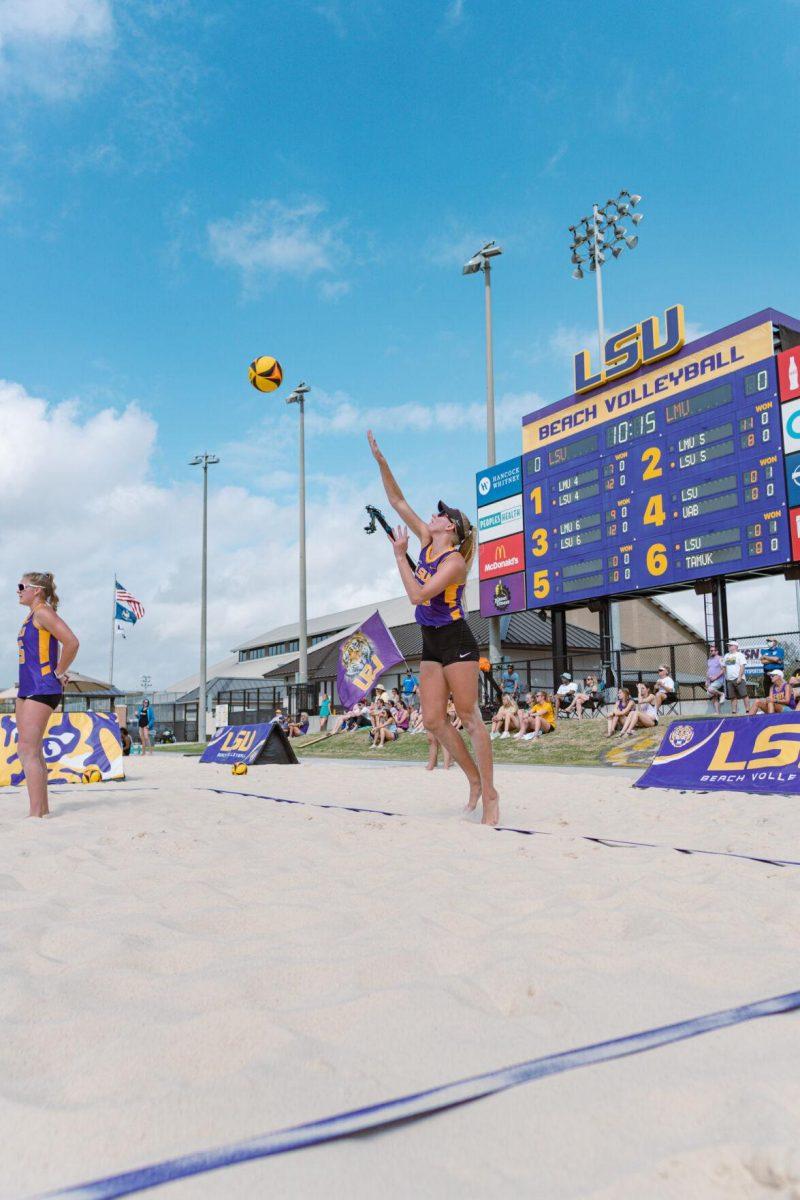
(396,497)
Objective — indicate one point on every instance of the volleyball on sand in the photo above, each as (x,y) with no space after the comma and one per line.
(266,374)
(239,768)
(92,775)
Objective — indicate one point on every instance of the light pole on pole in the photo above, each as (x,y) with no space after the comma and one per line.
(205,461)
(599,235)
(482,261)
(298,397)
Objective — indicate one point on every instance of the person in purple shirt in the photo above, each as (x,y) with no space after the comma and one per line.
(450,653)
(715,678)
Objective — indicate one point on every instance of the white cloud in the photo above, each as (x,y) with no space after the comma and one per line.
(51,47)
(454,13)
(334,289)
(80,500)
(271,240)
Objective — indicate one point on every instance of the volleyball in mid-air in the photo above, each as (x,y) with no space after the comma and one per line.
(239,768)
(92,775)
(266,374)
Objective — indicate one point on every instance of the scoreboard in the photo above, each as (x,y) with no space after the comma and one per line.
(682,473)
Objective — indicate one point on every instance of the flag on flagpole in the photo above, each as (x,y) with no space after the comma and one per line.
(364,655)
(128,607)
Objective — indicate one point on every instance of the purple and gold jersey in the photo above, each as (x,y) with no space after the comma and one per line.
(448,606)
(38,655)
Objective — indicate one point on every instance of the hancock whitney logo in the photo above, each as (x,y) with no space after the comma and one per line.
(680,736)
(484,485)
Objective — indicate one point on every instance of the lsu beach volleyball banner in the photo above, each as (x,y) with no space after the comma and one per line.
(740,754)
(249,744)
(73,742)
(364,655)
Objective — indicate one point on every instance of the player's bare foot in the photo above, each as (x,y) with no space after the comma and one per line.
(491,809)
(474,796)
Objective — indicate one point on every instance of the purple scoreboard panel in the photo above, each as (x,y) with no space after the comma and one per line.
(677,473)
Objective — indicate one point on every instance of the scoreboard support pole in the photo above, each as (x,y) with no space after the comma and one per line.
(609,645)
(719,604)
(558,627)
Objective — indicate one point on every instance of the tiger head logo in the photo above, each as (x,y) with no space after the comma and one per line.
(680,735)
(357,654)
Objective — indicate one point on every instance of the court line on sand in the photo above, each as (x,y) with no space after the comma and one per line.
(582,837)
(416,1104)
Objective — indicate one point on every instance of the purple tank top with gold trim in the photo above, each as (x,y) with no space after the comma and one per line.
(38,655)
(448,606)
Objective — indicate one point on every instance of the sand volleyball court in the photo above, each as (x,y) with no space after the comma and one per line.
(185,968)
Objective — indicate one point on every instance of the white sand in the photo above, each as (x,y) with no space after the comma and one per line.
(182,969)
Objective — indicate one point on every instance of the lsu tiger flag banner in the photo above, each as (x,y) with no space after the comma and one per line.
(740,754)
(364,655)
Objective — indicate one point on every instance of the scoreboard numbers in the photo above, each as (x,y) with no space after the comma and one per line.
(689,487)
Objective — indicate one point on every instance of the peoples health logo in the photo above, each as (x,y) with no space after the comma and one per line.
(680,735)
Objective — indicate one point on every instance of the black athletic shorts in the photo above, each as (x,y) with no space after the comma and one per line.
(51,699)
(448,644)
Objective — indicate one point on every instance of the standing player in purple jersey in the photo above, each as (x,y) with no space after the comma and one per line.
(42,675)
(449,650)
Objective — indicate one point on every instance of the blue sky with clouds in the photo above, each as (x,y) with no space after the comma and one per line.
(184,185)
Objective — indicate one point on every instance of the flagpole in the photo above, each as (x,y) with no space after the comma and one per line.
(113,627)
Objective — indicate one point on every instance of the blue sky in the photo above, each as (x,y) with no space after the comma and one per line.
(184,185)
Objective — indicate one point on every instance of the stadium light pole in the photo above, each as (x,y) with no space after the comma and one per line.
(298,397)
(594,237)
(482,261)
(205,461)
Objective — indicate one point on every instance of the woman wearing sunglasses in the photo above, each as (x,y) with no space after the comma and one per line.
(47,646)
(449,650)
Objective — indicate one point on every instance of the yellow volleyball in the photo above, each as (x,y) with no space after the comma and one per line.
(266,374)
(239,768)
(92,775)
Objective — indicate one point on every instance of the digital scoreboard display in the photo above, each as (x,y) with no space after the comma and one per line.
(685,487)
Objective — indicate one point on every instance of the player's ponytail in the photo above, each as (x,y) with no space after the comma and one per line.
(45,581)
(467,547)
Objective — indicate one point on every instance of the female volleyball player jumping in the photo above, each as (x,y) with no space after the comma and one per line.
(449,651)
(42,675)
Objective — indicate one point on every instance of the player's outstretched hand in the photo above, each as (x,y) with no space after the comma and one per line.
(400,543)
(374,447)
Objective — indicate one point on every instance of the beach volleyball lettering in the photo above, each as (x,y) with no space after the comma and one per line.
(747,754)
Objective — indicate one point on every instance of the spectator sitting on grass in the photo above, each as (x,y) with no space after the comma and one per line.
(298,728)
(644,714)
(794,682)
(506,717)
(566,692)
(401,715)
(622,709)
(715,678)
(540,719)
(779,697)
(384,728)
(588,697)
(664,687)
(352,719)
(416,723)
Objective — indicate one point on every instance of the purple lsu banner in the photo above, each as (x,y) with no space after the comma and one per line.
(740,754)
(237,743)
(364,656)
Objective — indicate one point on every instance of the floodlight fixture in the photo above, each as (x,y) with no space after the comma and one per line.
(577,273)
(637,217)
(632,242)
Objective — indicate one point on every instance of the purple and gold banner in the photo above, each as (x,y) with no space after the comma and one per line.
(73,741)
(741,754)
(364,656)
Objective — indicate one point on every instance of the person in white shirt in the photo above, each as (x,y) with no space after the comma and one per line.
(664,688)
(735,685)
(566,692)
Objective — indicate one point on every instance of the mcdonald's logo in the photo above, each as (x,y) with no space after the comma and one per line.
(503,556)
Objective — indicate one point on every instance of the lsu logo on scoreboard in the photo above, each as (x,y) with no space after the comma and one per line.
(638,345)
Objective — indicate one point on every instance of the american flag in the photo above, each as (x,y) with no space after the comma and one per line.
(123,596)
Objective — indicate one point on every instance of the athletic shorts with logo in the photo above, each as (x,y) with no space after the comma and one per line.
(448,644)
